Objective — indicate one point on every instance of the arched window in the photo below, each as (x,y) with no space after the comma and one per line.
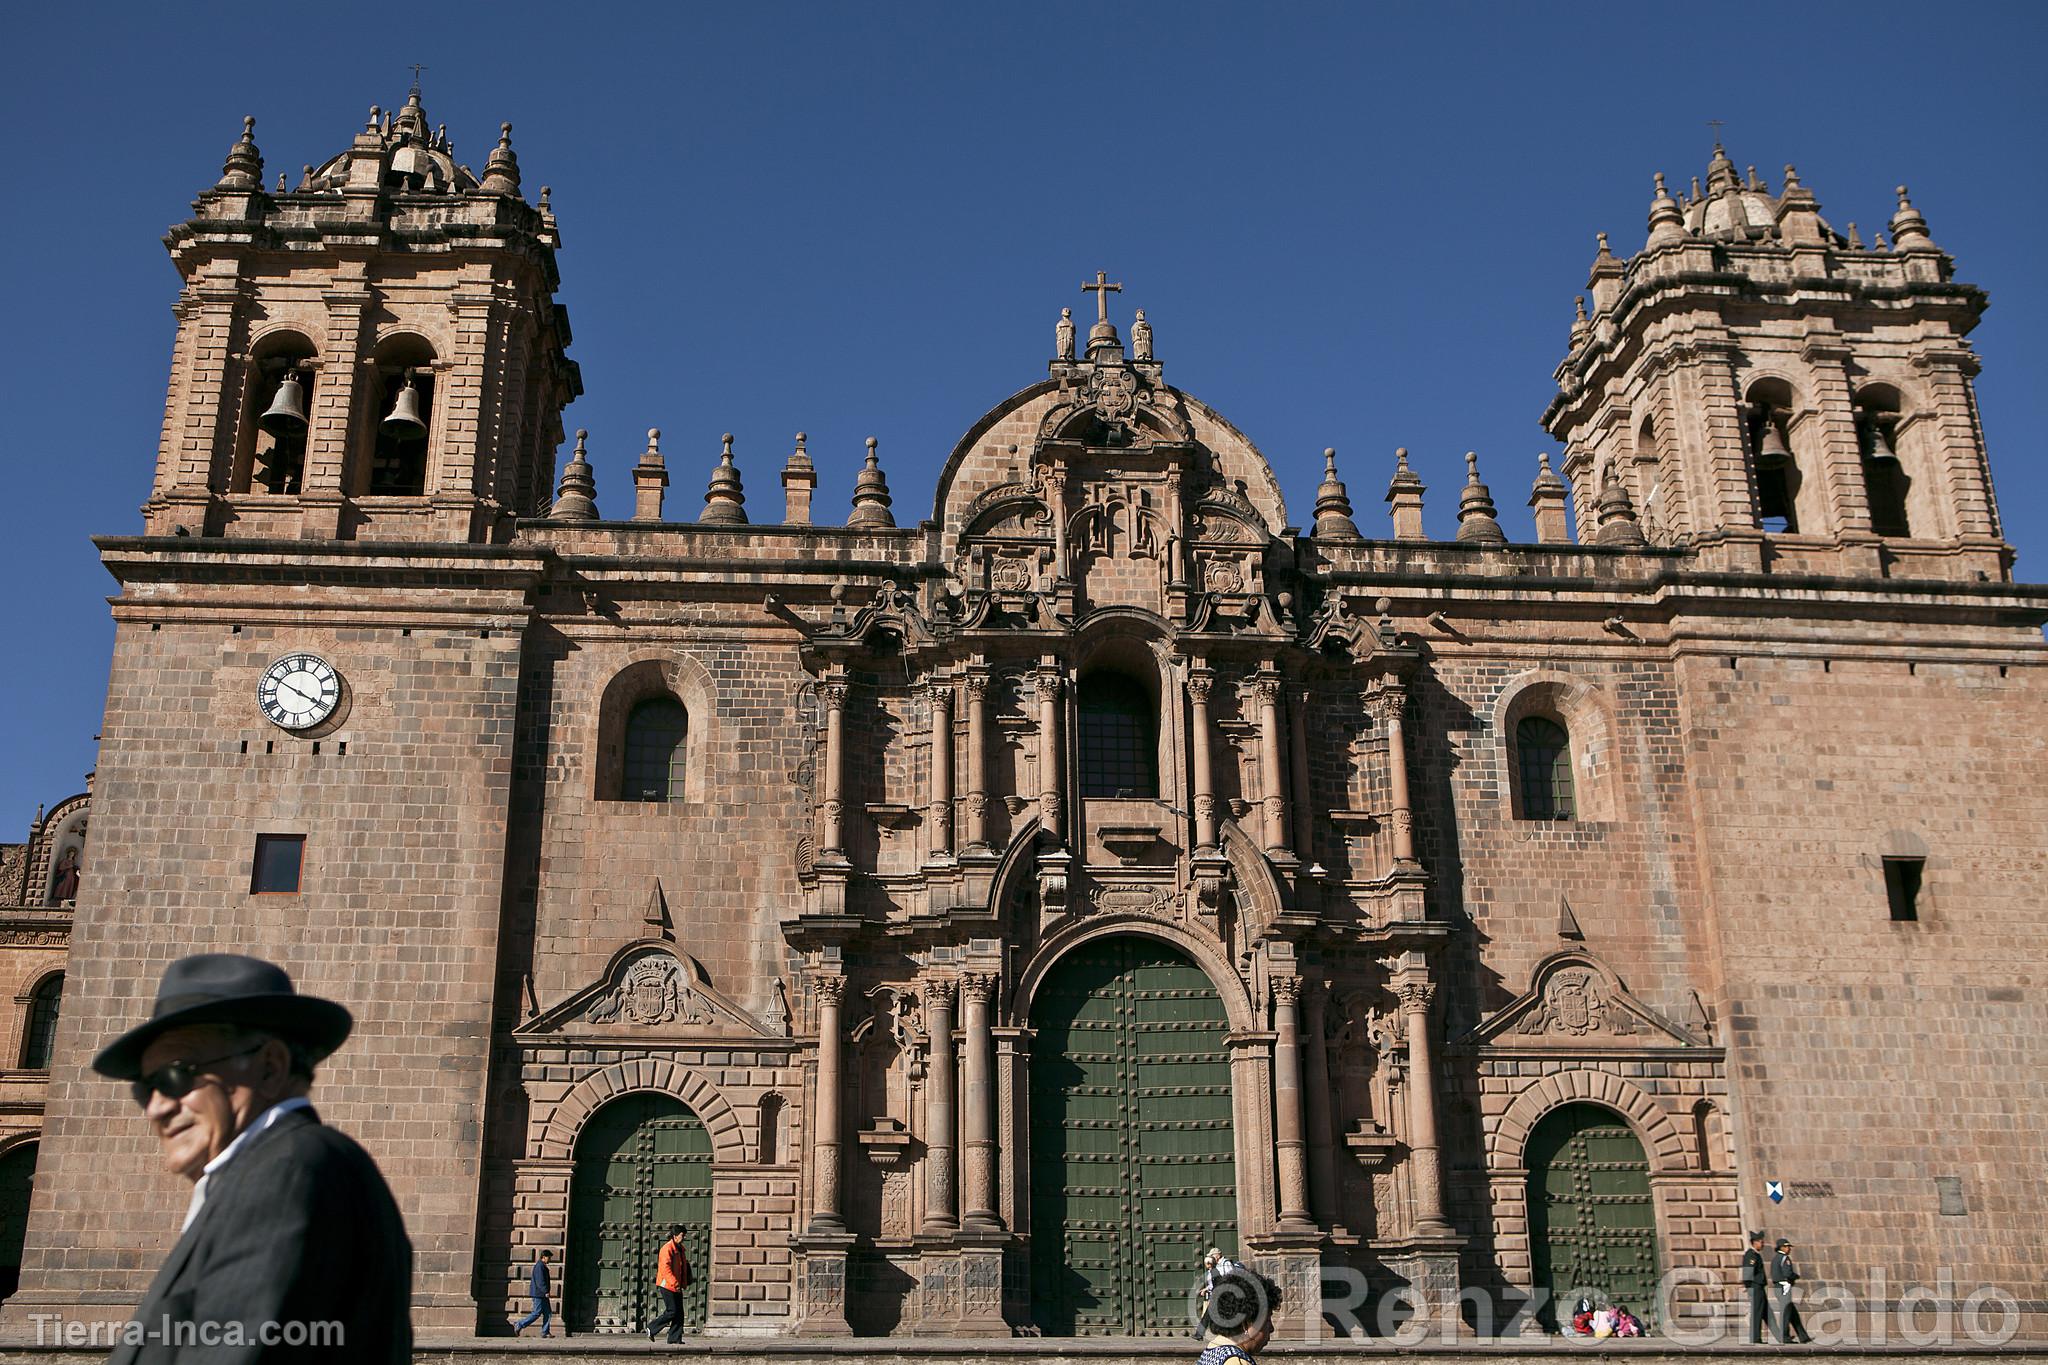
(42,1023)
(657,741)
(1544,751)
(1119,737)
(272,450)
(1885,484)
(1777,475)
(403,398)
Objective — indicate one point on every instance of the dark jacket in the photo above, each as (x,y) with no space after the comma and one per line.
(540,1278)
(299,1228)
(1753,1270)
(1782,1269)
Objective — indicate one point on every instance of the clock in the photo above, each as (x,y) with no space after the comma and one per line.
(299,691)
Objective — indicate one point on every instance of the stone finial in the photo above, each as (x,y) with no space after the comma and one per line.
(1063,336)
(1333,505)
(1666,223)
(1404,494)
(1617,514)
(1855,237)
(650,479)
(1791,176)
(1909,229)
(1478,523)
(1721,171)
(306,177)
(501,172)
(1756,182)
(1798,212)
(1581,324)
(576,498)
(1141,337)
(724,502)
(280,182)
(243,169)
(1878,243)
(799,481)
(1548,497)
(871,494)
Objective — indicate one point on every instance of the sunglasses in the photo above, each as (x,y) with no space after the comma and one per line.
(175,1080)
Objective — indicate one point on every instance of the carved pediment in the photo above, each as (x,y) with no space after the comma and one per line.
(1576,1002)
(648,987)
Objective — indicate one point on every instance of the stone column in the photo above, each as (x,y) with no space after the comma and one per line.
(1200,682)
(977,760)
(1392,701)
(1050,812)
(1322,1167)
(1287,1140)
(1055,485)
(825,1147)
(834,840)
(1297,769)
(942,769)
(1415,996)
(977,1108)
(1267,688)
(939,1215)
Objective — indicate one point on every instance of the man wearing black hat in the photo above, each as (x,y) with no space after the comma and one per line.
(292,1245)
(1756,1279)
(1791,1327)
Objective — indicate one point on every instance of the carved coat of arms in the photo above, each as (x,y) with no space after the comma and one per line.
(652,991)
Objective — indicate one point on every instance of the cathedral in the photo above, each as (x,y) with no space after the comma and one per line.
(961,919)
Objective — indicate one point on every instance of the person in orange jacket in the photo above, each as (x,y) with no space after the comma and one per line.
(671,1278)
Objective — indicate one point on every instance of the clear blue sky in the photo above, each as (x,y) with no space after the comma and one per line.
(1351,226)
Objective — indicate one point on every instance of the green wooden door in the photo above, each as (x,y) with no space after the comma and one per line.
(1592,1227)
(17,1175)
(1132,1169)
(643,1165)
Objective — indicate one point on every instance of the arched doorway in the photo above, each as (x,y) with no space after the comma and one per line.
(17,1175)
(643,1165)
(1592,1225)
(1133,1174)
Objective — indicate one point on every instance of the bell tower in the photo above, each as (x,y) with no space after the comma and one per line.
(1781,396)
(372,353)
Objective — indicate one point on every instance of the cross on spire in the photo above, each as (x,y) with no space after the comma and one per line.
(1102,289)
(1715,124)
(416,69)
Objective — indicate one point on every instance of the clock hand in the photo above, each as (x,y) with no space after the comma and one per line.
(287,687)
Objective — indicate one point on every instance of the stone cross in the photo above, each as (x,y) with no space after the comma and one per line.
(1102,289)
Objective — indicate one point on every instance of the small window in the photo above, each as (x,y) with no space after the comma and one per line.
(279,858)
(1544,751)
(42,1024)
(1119,737)
(1902,886)
(657,739)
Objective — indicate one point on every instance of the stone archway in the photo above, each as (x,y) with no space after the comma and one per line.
(1592,1218)
(642,1166)
(1132,1139)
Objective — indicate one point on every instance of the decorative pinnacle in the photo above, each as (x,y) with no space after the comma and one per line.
(1909,229)
(244,167)
(1791,176)
(1617,513)
(1579,301)
(1478,521)
(501,172)
(1333,504)
(724,500)
(653,455)
(1666,225)
(800,458)
(871,493)
(576,498)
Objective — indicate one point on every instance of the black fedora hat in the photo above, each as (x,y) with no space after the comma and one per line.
(227,988)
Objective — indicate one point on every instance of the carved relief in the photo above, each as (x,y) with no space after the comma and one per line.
(1159,902)
(1576,1003)
(653,991)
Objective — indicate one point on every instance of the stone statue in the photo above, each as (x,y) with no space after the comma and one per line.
(65,889)
(1064,335)
(1141,337)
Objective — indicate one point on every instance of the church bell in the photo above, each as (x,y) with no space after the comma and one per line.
(1771,450)
(1881,443)
(286,414)
(404,418)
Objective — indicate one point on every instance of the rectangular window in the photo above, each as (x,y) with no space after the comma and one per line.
(279,858)
(1902,886)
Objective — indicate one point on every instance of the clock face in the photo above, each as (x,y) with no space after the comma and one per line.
(299,691)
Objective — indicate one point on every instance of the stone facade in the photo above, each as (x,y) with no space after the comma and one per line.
(1459,833)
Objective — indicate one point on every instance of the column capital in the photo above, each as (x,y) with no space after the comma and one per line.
(941,991)
(1266,687)
(978,987)
(1389,701)
(830,986)
(1047,682)
(1286,990)
(977,682)
(940,689)
(1201,681)
(1415,996)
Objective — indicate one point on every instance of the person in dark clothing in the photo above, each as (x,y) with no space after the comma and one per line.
(1757,1280)
(538,1285)
(1238,1316)
(1791,1328)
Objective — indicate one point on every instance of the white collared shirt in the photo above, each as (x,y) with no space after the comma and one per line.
(242,1139)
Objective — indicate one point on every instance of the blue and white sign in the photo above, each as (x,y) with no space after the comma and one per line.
(1776,1190)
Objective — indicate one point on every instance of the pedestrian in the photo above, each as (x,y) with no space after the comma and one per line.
(537,1284)
(1791,1328)
(1238,1317)
(1756,1279)
(672,1277)
(291,1228)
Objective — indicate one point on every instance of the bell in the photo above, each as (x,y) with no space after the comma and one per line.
(1881,443)
(404,418)
(286,414)
(1771,451)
